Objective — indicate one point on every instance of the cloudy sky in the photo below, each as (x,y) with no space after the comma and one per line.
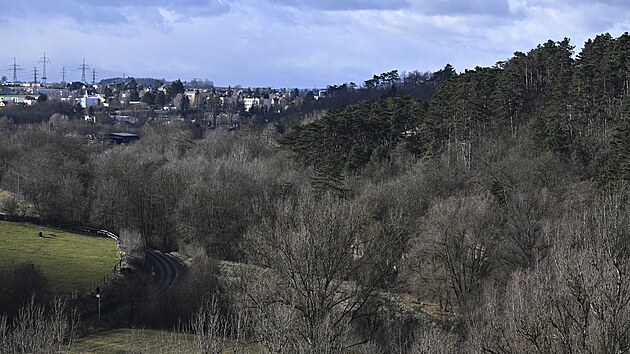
(287,43)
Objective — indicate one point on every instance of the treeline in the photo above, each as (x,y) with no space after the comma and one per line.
(346,141)
(568,106)
(575,109)
(415,83)
(40,112)
(148,188)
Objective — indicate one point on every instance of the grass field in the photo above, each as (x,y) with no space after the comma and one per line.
(134,341)
(69,261)
(142,341)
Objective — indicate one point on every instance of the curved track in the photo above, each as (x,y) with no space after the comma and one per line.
(165,268)
(164,271)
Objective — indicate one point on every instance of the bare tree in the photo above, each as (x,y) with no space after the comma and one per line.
(323,261)
(433,340)
(526,212)
(52,184)
(519,320)
(215,332)
(215,209)
(35,330)
(578,300)
(593,265)
(456,249)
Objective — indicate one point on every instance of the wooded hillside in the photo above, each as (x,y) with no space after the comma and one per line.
(494,210)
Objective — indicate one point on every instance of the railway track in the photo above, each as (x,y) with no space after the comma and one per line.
(165,269)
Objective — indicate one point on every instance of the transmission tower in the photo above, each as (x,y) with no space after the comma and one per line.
(83,67)
(35,75)
(44,60)
(63,75)
(94,74)
(15,68)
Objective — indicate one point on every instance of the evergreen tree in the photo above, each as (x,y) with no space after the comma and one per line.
(177,87)
(618,167)
(134,95)
(184,105)
(148,98)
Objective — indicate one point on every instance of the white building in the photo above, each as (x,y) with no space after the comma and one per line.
(250,102)
(91,101)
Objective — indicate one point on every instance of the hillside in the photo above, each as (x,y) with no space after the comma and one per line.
(69,262)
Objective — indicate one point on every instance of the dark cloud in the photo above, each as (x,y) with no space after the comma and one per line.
(11,10)
(88,15)
(112,11)
(359,4)
(186,8)
(345,5)
(462,7)
(578,15)
(546,3)
(194,8)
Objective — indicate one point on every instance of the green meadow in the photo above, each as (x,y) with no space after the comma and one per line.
(69,261)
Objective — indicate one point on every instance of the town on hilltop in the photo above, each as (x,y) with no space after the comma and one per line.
(128,103)
(131,101)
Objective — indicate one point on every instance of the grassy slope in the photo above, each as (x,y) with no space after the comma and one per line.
(142,341)
(134,341)
(68,260)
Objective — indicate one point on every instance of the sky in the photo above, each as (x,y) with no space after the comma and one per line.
(286,43)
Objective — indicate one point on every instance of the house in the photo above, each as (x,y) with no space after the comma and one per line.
(50,91)
(250,102)
(14,98)
(90,101)
(227,100)
(126,119)
(123,138)
(192,95)
(29,100)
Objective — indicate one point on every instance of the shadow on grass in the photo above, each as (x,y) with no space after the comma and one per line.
(42,235)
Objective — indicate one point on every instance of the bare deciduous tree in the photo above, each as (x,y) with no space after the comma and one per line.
(525,215)
(433,340)
(36,330)
(456,249)
(578,300)
(215,332)
(323,260)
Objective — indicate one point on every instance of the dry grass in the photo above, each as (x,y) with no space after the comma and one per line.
(141,341)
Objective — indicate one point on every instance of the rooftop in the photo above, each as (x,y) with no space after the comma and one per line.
(128,135)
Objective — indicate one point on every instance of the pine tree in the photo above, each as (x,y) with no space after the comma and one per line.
(618,167)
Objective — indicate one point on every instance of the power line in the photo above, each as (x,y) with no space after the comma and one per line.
(44,61)
(83,67)
(63,75)
(16,68)
(94,76)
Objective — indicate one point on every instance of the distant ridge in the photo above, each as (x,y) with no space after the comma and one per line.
(143,81)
